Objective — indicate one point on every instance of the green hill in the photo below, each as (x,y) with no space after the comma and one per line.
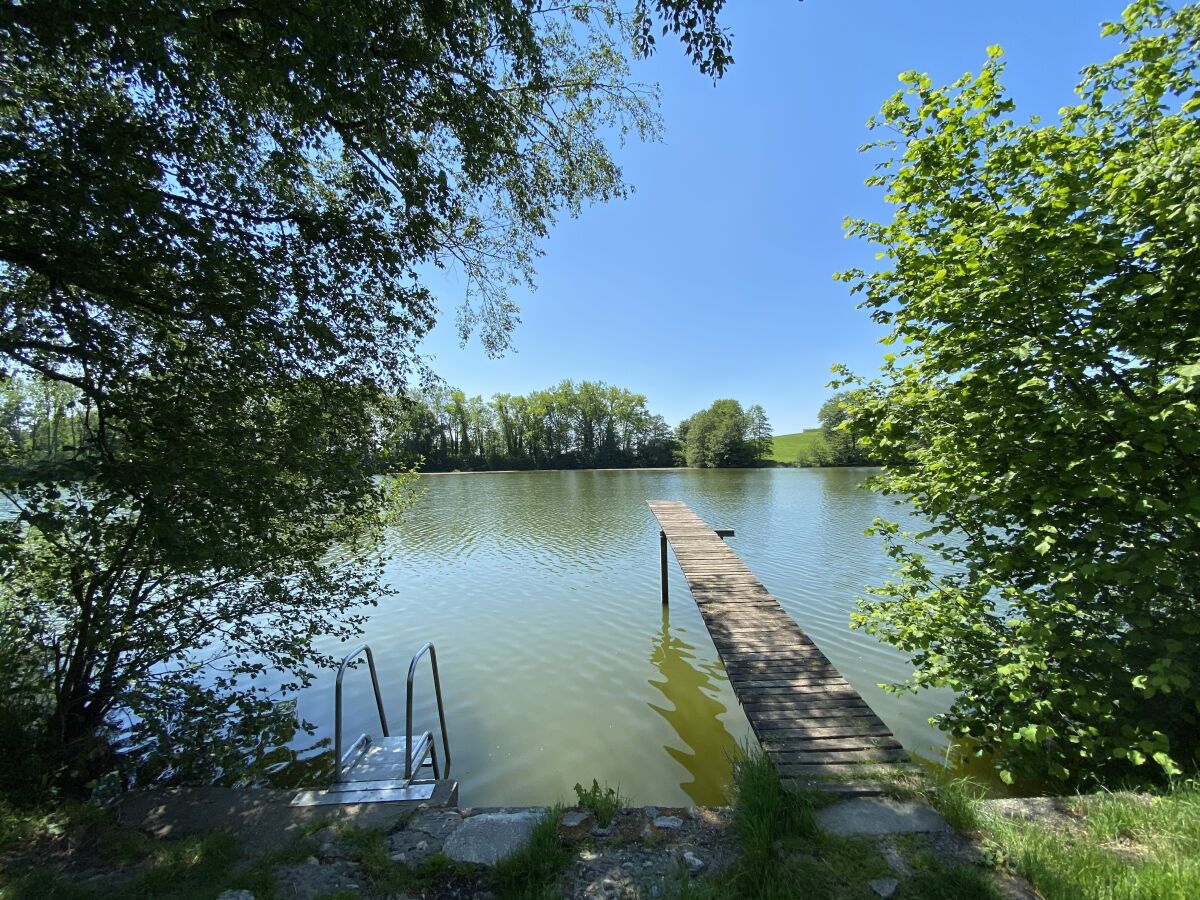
(788,448)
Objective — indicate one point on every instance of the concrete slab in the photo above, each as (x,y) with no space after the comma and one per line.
(488,838)
(261,819)
(879,815)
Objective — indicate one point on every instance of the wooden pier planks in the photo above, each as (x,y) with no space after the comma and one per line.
(807,717)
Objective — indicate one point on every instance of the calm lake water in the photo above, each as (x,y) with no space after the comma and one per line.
(559,663)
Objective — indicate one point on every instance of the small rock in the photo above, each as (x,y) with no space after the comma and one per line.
(490,837)
(648,864)
(647,833)
(1045,810)
(627,865)
(884,887)
(668,823)
(573,818)
(399,857)
(422,846)
(655,890)
(895,860)
(235,895)
(312,861)
(650,811)
(575,823)
(333,850)
(694,863)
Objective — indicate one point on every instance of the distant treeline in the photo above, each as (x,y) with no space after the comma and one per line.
(572,425)
(40,420)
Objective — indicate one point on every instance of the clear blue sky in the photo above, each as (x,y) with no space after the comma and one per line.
(714,278)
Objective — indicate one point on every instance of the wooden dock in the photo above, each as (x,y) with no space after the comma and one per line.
(807,717)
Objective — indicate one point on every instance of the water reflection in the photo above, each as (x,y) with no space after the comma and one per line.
(694,715)
(540,590)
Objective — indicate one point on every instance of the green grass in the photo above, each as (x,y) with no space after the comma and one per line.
(1117,846)
(535,871)
(369,848)
(805,447)
(198,867)
(784,854)
(191,868)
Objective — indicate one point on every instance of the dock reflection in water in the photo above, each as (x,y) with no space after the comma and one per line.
(694,714)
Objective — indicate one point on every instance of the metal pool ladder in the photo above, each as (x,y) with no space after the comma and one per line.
(370,770)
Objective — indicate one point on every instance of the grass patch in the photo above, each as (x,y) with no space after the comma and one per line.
(957,799)
(1117,846)
(70,823)
(763,812)
(190,868)
(187,867)
(784,854)
(48,851)
(602,801)
(934,879)
(370,850)
(804,448)
(535,871)
(1124,846)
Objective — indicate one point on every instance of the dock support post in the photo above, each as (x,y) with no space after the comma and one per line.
(662,563)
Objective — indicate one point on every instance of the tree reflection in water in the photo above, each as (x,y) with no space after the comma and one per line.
(692,691)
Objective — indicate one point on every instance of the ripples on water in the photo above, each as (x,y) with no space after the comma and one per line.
(558,662)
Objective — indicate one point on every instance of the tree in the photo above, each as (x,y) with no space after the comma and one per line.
(588,424)
(214,217)
(1043,290)
(840,444)
(758,431)
(718,436)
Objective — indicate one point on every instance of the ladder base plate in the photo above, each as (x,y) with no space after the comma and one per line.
(379,792)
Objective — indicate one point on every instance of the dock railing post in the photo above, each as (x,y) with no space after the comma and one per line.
(662,563)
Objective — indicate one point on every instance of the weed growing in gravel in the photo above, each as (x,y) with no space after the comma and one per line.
(604,802)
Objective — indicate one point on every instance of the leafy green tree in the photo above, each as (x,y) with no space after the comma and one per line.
(588,424)
(841,448)
(214,217)
(1043,292)
(758,432)
(718,437)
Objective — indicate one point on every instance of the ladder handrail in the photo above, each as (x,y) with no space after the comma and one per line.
(337,713)
(408,714)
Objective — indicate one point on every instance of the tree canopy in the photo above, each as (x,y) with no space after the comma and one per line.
(586,425)
(840,448)
(1040,405)
(726,435)
(213,227)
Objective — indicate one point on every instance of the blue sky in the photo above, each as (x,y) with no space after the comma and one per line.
(714,278)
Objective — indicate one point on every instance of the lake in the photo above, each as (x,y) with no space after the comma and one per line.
(558,662)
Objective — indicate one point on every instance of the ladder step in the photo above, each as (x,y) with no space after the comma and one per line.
(384,759)
(398,792)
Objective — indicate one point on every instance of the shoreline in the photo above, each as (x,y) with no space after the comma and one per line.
(640,469)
